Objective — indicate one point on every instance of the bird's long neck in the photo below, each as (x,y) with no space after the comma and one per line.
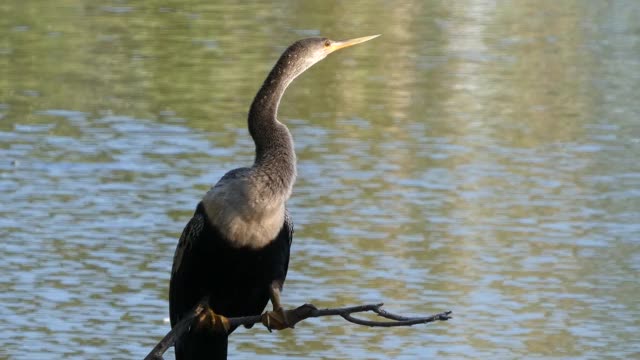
(275,161)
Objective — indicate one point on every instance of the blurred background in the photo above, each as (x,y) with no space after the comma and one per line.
(480,157)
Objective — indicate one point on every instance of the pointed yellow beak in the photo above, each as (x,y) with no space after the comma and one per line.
(337,45)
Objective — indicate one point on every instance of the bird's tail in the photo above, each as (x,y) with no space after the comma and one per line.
(202,345)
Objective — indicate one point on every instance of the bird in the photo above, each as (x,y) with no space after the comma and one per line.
(235,249)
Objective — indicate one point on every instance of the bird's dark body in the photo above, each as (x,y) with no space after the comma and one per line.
(237,280)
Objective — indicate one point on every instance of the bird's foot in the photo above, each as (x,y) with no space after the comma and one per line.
(211,321)
(276,319)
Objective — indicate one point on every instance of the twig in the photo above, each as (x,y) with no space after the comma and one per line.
(294,316)
(177,331)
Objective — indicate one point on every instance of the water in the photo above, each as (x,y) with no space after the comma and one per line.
(479,157)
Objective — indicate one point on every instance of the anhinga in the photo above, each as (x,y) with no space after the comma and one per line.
(235,248)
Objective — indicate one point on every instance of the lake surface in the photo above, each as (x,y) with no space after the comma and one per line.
(480,157)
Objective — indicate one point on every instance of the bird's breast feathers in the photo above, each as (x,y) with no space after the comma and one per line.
(244,216)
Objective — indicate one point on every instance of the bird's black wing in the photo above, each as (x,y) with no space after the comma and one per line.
(181,266)
(287,235)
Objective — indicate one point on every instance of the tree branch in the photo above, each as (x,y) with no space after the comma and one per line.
(177,331)
(294,316)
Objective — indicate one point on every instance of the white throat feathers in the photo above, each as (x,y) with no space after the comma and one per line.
(245,210)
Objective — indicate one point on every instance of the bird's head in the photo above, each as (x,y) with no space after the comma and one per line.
(302,54)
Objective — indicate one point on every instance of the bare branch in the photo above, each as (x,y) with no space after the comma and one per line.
(177,331)
(294,316)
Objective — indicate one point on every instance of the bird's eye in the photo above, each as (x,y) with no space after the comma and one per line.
(327,43)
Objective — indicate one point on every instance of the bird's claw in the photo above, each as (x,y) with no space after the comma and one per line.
(209,320)
(275,320)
